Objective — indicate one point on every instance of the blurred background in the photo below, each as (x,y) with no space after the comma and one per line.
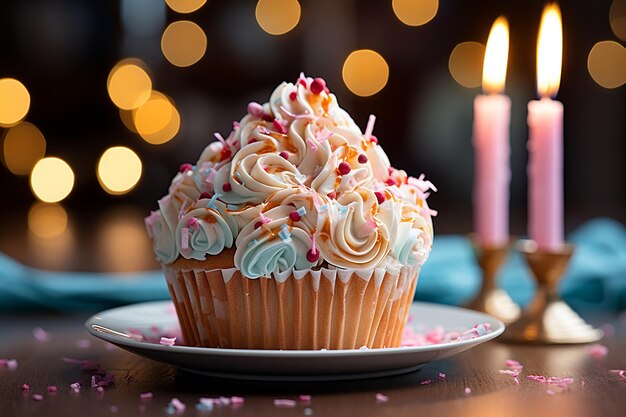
(115,95)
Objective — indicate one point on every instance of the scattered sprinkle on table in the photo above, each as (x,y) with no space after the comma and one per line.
(381,398)
(597,350)
(281,402)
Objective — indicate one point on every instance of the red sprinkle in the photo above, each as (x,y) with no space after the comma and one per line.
(344,168)
(268,117)
(318,85)
(25,387)
(279,126)
(284,155)
(374,139)
(252,140)
(52,388)
(204,195)
(226,187)
(332,195)
(226,153)
(258,224)
(184,168)
(390,182)
(380,197)
(293,95)
(302,81)
(294,216)
(312,257)
(362,158)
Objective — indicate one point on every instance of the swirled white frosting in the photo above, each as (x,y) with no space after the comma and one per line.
(296,184)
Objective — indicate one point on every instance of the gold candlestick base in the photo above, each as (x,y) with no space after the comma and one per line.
(490,299)
(548,319)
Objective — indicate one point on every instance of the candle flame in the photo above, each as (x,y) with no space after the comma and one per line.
(549,51)
(496,57)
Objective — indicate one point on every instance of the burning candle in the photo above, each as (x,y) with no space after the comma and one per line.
(545,143)
(492,115)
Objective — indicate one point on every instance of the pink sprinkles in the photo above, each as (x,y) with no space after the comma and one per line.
(597,350)
(177,405)
(41,335)
(381,398)
(11,364)
(167,341)
(281,402)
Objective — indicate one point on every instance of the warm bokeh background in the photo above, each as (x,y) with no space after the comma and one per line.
(64,51)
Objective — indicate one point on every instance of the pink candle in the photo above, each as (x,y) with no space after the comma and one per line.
(492,114)
(545,143)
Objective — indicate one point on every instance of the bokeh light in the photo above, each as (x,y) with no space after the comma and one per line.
(14,101)
(466,64)
(183,43)
(277,17)
(185,6)
(415,12)
(23,146)
(119,170)
(47,221)
(127,119)
(121,240)
(617,17)
(157,121)
(51,180)
(607,64)
(129,85)
(365,72)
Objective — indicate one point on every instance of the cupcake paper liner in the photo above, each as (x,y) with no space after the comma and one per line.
(323,309)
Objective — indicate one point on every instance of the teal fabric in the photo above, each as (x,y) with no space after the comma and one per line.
(596,277)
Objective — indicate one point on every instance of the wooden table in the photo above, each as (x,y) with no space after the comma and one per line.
(595,392)
(40,364)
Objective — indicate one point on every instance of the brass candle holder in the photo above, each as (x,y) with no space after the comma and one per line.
(491,299)
(548,319)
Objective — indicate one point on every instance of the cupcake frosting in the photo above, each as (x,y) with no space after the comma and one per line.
(296,184)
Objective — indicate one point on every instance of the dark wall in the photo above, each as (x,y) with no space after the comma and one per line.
(63,50)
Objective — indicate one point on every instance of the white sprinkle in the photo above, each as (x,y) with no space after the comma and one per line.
(280,402)
(166,341)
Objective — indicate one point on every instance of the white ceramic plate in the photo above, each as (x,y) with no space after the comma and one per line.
(289,365)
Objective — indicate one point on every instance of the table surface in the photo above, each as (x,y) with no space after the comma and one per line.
(595,392)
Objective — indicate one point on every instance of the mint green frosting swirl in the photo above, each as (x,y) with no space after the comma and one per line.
(205,230)
(263,250)
(162,238)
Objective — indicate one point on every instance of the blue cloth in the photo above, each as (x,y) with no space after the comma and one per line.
(596,277)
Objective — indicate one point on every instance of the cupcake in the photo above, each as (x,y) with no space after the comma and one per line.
(293,232)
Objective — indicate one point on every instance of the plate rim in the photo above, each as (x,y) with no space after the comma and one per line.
(128,342)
